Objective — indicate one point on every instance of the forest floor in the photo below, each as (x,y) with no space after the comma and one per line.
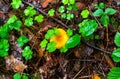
(91,59)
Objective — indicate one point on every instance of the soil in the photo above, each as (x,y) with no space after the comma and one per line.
(86,60)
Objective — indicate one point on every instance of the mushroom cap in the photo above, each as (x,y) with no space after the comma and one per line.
(60,39)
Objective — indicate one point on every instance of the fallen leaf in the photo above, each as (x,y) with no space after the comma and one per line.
(14,64)
(80,5)
(45,3)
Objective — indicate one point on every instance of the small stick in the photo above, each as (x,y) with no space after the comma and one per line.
(107,38)
(89,76)
(78,73)
(95,47)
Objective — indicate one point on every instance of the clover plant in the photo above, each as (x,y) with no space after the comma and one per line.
(99,6)
(39,18)
(24,76)
(4,47)
(51,12)
(69,32)
(30,11)
(27,53)
(87,27)
(12,24)
(4,31)
(68,2)
(16,3)
(61,9)
(67,11)
(104,18)
(85,13)
(22,40)
(50,46)
(19,76)
(28,22)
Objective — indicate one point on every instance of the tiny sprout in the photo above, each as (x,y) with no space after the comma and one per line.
(51,12)
(85,13)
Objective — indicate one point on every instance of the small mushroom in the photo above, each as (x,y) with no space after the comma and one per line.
(60,39)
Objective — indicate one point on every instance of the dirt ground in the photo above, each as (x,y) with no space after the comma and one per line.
(90,58)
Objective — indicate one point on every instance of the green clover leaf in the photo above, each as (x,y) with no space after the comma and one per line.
(85,13)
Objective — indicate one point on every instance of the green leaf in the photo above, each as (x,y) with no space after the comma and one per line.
(63,49)
(51,47)
(117,39)
(43,43)
(49,34)
(29,11)
(116,55)
(72,1)
(101,5)
(73,41)
(16,4)
(4,31)
(75,7)
(61,9)
(16,25)
(65,2)
(28,22)
(70,16)
(69,32)
(39,18)
(27,53)
(12,19)
(104,20)
(69,7)
(114,73)
(4,47)
(98,12)
(85,13)
(87,27)
(17,76)
(64,15)
(24,76)
(56,31)
(51,12)
(22,40)
(110,11)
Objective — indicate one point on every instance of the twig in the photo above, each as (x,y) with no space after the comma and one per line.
(78,73)
(89,76)
(95,17)
(107,36)
(44,13)
(90,45)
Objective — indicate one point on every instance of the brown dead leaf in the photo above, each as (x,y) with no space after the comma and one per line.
(46,2)
(40,51)
(14,64)
(96,76)
(80,5)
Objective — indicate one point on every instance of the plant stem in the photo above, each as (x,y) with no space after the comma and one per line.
(107,38)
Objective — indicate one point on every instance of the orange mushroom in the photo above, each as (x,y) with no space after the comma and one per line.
(60,39)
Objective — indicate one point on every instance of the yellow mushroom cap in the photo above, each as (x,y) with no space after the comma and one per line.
(60,39)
